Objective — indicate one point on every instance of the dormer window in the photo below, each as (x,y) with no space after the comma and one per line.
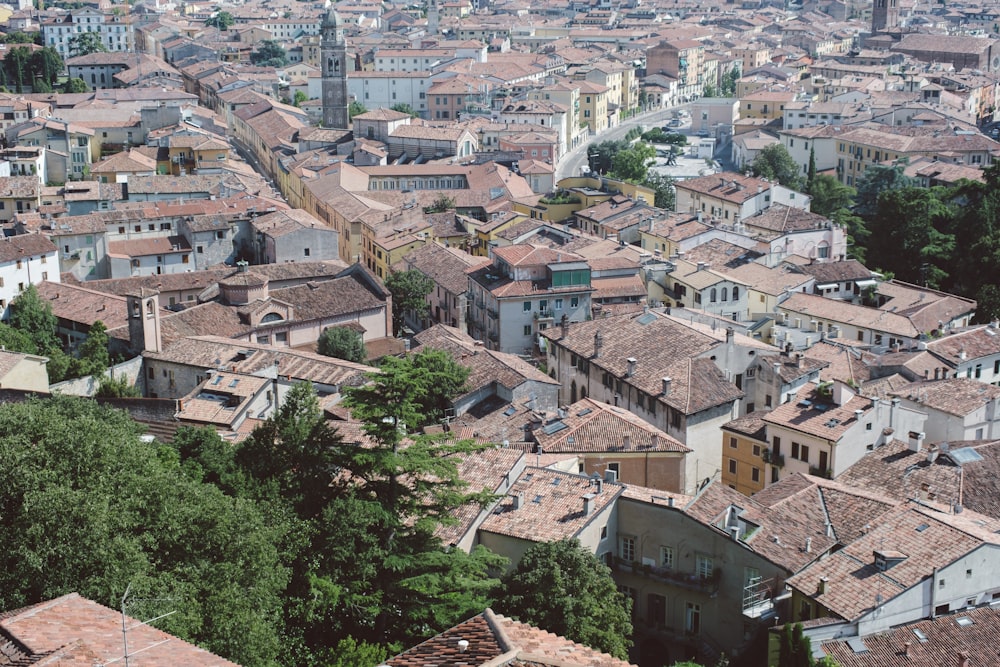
(885,560)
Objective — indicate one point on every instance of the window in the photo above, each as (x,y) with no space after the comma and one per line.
(574,302)
(804,453)
(527,330)
(732,442)
(305,252)
(20,263)
(667,557)
(824,462)
(732,466)
(626,549)
(703,566)
(201,250)
(713,296)
(795,450)
(736,293)
(45,275)
(558,304)
(527,306)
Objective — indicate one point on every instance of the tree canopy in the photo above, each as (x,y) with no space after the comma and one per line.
(269,53)
(85,43)
(342,343)
(564,588)
(409,292)
(776,164)
(221,20)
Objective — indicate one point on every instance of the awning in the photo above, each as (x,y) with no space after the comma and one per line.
(827,286)
(866,283)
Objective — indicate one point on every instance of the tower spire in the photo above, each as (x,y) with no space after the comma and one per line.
(334,69)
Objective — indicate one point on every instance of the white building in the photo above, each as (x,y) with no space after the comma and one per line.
(115,32)
(25,260)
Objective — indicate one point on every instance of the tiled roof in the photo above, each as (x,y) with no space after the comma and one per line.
(947,642)
(552,506)
(859,316)
(923,535)
(955,396)
(84,306)
(72,631)
(971,343)
(831,272)
(486,470)
(497,641)
(663,347)
(13,248)
(592,426)
(729,186)
(816,415)
(220,399)
(445,266)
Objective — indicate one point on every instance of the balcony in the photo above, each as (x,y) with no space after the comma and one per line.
(777,460)
(666,575)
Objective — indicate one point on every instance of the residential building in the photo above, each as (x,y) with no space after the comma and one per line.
(23,372)
(115,31)
(292,236)
(523,292)
(25,260)
(18,194)
(448,301)
(973,353)
(682,59)
(957,408)
(766,104)
(733,197)
(699,287)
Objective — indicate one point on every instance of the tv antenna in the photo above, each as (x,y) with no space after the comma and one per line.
(126,627)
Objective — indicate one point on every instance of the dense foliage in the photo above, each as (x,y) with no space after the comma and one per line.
(564,588)
(342,343)
(409,292)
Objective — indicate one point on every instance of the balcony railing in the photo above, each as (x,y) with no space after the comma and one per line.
(774,459)
(666,575)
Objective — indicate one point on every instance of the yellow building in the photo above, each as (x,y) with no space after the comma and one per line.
(486,232)
(594,106)
(186,153)
(664,235)
(765,104)
(386,244)
(744,442)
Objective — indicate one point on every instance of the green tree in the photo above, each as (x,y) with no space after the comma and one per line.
(729,79)
(46,65)
(663,189)
(632,164)
(85,43)
(91,508)
(221,20)
(565,589)
(119,387)
(356,109)
(269,53)
(907,236)
(600,154)
(16,64)
(710,91)
(342,343)
(16,340)
(409,291)
(299,98)
(76,85)
(776,164)
(876,180)
(403,107)
(441,204)
(811,172)
(93,357)
(829,195)
(33,316)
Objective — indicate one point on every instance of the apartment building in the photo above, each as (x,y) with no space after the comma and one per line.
(25,260)
(682,59)
(114,31)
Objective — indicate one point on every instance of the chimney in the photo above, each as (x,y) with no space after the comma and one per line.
(630,367)
(937,373)
(729,335)
(701,266)
(906,649)
(916,441)
(932,454)
(734,532)
(666,386)
(824,585)
(599,483)
(598,342)
(588,503)
(798,360)
(463,645)
(670,501)
(564,324)
(611,476)
(518,500)
(626,442)
(809,544)
(963,659)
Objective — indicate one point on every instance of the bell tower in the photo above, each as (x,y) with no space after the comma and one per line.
(885,15)
(334,54)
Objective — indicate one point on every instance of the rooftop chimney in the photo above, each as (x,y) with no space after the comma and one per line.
(809,544)
(588,503)
(916,441)
(630,367)
(610,475)
(666,386)
(729,334)
(824,585)
(701,266)
(670,501)
(564,324)
(598,342)
(463,645)
(518,500)
(963,659)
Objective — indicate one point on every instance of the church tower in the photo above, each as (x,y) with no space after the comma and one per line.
(334,54)
(433,17)
(885,16)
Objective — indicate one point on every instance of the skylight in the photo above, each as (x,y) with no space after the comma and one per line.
(509,411)
(964,621)
(554,427)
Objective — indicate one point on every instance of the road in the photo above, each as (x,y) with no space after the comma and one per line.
(575,159)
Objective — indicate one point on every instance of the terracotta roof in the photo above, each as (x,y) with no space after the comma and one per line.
(811,413)
(498,641)
(971,343)
(955,396)
(549,509)
(592,426)
(14,248)
(75,632)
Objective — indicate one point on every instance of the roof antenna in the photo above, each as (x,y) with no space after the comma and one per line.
(126,628)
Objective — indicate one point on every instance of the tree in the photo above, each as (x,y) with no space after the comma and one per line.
(33,316)
(600,154)
(221,20)
(442,379)
(811,172)
(46,65)
(269,53)
(409,291)
(119,387)
(403,107)
(876,180)
(729,79)
(93,509)
(829,195)
(632,164)
(356,109)
(663,188)
(76,85)
(299,98)
(776,164)
(907,236)
(16,64)
(85,43)
(92,355)
(342,343)
(563,588)
(441,204)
